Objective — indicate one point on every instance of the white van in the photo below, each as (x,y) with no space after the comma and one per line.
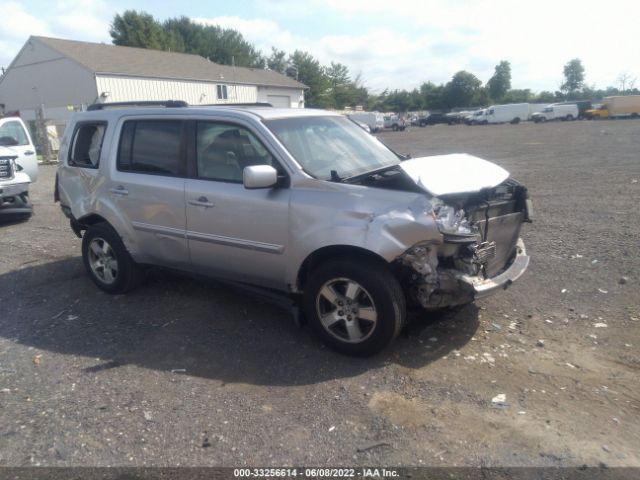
(510,113)
(375,120)
(15,136)
(556,112)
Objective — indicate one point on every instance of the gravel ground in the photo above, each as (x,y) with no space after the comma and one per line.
(192,372)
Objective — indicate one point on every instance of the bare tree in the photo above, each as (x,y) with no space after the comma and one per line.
(626,81)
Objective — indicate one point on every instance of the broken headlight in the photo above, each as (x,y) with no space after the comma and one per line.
(453,222)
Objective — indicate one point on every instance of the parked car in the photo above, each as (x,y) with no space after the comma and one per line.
(375,120)
(15,135)
(477,118)
(616,107)
(14,188)
(557,112)
(433,119)
(583,106)
(295,200)
(394,122)
(510,113)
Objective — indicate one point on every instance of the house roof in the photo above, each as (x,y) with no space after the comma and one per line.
(142,62)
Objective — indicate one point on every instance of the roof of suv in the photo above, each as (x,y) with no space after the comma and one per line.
(263,112)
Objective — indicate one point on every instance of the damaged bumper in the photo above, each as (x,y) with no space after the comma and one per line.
(485,287)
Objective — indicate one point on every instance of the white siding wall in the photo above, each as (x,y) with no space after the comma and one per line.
(125,89)
(41,75)
(296,96)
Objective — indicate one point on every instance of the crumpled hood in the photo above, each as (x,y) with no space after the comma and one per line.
(454,173)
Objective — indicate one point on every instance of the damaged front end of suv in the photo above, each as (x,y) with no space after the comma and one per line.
(479,217)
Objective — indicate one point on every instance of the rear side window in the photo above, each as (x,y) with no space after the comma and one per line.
(151,146)
(15,131)
(87,145)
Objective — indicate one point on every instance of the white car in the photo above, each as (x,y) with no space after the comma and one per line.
(14,135)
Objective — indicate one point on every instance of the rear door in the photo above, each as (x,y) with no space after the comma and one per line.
(234,232)
(147,187)
(14,128)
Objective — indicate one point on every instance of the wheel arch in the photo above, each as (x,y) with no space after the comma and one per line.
(331,252)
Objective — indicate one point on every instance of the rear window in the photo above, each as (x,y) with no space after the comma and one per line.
(151,146)
(86,145)
(15,131)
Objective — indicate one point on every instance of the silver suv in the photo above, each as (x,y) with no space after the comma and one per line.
(303,202)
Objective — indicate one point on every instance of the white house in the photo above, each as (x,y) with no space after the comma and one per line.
(64,75)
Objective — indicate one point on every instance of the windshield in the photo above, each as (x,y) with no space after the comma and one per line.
(323,144)
(15,131)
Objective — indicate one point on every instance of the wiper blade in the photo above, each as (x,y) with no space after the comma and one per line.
(375,171)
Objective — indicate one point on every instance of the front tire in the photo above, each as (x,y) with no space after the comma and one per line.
(355,307)
(107,260)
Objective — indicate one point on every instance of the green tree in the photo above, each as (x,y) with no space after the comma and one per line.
(518,96)
(137,29)
(277,61)
(310,72)
(341,88)
(545,97)
(433,96)
(573,77)
(500,82)
(181,34)
(459,92)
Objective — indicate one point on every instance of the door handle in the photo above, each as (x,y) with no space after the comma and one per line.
(119,190)
(201,202)
(29,152)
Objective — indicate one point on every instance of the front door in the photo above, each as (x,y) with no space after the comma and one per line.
(234,232)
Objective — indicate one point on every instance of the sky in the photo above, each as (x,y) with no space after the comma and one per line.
(395,44)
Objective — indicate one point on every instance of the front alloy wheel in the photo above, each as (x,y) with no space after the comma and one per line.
(346,310)
(356,306)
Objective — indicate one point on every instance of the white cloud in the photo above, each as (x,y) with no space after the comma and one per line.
(78,19)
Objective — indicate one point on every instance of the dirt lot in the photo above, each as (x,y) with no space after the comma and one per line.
(189,372)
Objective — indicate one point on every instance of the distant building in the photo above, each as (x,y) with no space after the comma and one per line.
(66,75)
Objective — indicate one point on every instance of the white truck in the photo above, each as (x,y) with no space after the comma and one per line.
(375,120)
(509,113)
(556,112)
(15,136)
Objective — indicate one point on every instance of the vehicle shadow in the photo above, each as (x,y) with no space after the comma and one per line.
(196,327)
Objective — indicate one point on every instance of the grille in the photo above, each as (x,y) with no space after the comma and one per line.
(5,168)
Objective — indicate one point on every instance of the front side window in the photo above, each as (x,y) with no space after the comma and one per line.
(14,131)
(87,145)
(223,150)
(325,144)
(151,146)
(222,92)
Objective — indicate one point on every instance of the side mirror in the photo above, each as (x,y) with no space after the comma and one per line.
(259,176)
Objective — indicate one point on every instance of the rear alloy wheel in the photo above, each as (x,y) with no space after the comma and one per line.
(356,308)
(107,260)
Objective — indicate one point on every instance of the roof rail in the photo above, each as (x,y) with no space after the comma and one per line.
(159,103)
(249,104)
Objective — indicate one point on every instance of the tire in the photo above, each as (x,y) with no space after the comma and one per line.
(569,118)
(394,127)
(515,121)
(372,288)
(107,260)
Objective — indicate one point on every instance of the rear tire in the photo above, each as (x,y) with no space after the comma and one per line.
(515,121)
(107,260)
(356,308)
